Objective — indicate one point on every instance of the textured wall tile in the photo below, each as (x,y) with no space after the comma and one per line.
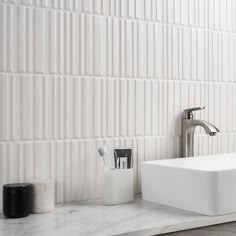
(142,49)
(139,107)
(78,74)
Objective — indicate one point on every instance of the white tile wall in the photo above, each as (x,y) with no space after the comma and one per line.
(76,74)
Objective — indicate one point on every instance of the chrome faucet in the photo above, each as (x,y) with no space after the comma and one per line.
(188,125)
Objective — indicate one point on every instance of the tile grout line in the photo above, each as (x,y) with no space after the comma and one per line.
(116,77)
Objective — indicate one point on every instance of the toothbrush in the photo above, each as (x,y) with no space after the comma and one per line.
(102,152)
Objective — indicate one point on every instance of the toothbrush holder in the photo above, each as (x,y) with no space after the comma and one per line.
(118,186)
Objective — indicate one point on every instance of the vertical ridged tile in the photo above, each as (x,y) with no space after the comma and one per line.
(62,106)
(6,117)
(4,33)
(131,8)
(131,108)
(184,12)
(233,15)
(180,52)
(39,40)
(22,39)
(194,54)
(29,161)
(201,12)
(206,56)
(69,84)
(67,188)
(68,43)
(150,149)
(129,48)
(74,170)
(210,56)
(97,107)
(206,14)
(148,108)
(123,111)
(229,15)
(223,107)
(186,54)
(13,38)
(150,49)
(192,12)
(215,62)
(159,10)
(175,54)
(142,49)
(110,107)
(158,51)
(177,106)
(61,42)
(78,107)
(223,15)
(140,9)
(155,108)
(148,9)
(139,107)
(76,39)
(170,109)
(47,39)
(89,40)
(90,162)
(116,46)
(109,47)
(88,107)
(48,107)
(97,45)
(27,107)
(38,91)
(217,14)
(104,48)
(177,11)
(59,171)
(117,107)
(231,58)
(16,107)
(161,107)
(225,57)
(170,53)
(87,5)
(123,48)
(201,59)
(229,108)
(135,49)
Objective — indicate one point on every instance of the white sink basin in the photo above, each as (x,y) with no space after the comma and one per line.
(206,184)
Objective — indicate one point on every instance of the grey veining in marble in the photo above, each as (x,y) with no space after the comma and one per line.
(92,218)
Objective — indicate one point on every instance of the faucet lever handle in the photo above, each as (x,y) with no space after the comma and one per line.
(188,113)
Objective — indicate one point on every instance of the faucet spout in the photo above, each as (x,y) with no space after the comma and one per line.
(208,127)
(188,125)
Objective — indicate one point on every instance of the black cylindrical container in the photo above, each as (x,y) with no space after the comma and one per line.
(17,200)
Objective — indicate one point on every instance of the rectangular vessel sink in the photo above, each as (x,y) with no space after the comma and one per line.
(205,184)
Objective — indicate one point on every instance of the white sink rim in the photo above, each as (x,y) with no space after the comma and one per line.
(205,184)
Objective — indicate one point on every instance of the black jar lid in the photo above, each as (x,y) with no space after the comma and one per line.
(17,186)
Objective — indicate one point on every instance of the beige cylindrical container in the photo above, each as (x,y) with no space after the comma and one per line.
(43,196)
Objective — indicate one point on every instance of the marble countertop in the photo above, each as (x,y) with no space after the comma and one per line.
(92,218)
